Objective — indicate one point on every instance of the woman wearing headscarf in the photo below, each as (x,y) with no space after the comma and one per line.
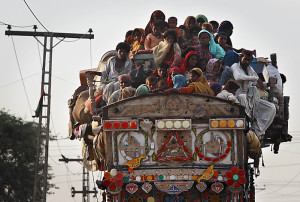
(174,71)
(201,19)
(216,87)
(227,27)
(198,84)
(191,61)
(213,70)
(207,47)
(179,81)
(187,36)
(229,59)
(138,43)
(141,90)
(157,16)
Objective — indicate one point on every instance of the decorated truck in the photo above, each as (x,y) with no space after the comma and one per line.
(176,147)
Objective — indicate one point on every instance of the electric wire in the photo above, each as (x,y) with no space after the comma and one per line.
(21,75)
(18,26)
(69,82)
(16,81)
(47,29)
(290,181)
(35,16)
(64,40)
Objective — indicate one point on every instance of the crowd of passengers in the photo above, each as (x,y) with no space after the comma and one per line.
(196,57)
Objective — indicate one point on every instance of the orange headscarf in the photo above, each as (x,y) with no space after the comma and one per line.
(201,85)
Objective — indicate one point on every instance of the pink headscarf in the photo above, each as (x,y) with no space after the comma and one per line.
(210,67)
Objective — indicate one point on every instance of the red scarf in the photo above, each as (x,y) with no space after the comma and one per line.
(185,62)
(169,80)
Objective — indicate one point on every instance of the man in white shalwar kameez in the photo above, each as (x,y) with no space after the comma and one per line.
(262,111)
(116,66)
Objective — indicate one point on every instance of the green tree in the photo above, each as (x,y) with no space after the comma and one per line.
(17,158)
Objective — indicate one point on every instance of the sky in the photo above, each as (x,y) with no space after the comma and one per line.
(265,25)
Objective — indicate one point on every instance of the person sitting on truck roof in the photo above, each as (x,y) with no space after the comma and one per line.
(213,70)
(141,90)
(174,71)
(203,62)
(262,110)
(191,61)
(129,37)
(189,25)
(229,91)
(198,84)
(207,26)
(207,47)
(117,65)
(215,25)
(161,71)
(179,81)
(195,41)
(168,51)
(216,87)
(229,59)
(221,39)
(153,39)
(227,27)
(162,85)
(200,19)
(124,81)
(126,92)
(138,43)
(151,85)
(156,16)
(172,22)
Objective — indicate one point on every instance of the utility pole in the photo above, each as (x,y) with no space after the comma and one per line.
(85,182)
(44,114)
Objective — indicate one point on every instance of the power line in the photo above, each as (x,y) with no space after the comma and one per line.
(21,74)
(290,181)
(18,26)
(16,81)
(64,40)
(35,16)
(65,80)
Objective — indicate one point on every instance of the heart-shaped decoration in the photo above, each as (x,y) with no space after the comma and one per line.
(132,188)
(147,187)
(217,187)
(201,186)
(146,125)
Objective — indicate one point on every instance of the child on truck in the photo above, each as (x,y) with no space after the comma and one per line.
(168,51)
(149,87)
(198,84)
(155,37)
(172,22)
(229,90)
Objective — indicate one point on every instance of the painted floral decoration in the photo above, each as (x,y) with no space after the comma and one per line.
(235,177)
